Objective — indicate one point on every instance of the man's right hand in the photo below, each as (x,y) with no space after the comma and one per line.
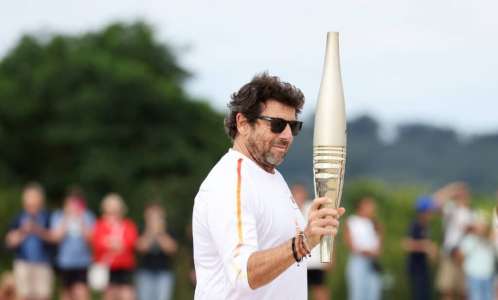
(322,221)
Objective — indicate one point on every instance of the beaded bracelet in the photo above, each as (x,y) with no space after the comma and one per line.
(294,252)
(304,244)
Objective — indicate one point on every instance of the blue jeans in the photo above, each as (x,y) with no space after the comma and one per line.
(364,283)
(153,285)
(480,289)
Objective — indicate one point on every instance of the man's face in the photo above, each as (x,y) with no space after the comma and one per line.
(266,147)
(32,201)
(368,207)
(113,207)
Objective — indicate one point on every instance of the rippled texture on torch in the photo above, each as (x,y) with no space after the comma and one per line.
(329,141)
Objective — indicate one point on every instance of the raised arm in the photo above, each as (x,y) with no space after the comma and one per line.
(14,238)
(266,265)
(447,192)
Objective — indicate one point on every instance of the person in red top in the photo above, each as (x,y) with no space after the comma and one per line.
(113,241)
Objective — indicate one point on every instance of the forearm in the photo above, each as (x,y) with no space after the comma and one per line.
(143,243)
(88,233)
(167,243)
(45,235)
(412,245)
(14,238)
(57,235)
(266,265)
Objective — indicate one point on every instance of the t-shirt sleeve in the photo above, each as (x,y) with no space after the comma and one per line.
(98,239)
(89,219)
(55,220)
(130,235)
(232,224)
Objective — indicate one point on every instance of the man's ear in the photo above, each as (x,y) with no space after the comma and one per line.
(242,124)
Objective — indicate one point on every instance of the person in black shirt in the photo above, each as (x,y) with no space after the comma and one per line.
(156,248)
(420,248)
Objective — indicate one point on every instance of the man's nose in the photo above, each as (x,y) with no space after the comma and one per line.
(286,133)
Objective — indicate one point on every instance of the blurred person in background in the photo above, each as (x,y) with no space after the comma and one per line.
(494,236)
(156,248)
(71,229)
(478,260)
(363,237)
(29,235)
(420,249)
(317,272)
(190,253)
(113,239)
(454,202)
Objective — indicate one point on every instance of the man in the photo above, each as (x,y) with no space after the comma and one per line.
(317,271)
(420,247)
(28,236)
(249,234)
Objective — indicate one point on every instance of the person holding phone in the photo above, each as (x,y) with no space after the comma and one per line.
(71,230)
(29,237)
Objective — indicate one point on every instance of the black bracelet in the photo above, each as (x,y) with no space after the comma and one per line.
(294,252)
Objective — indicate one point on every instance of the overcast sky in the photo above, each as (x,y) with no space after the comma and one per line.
(402,61)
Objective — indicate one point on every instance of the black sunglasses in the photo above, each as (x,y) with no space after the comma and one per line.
(278,125)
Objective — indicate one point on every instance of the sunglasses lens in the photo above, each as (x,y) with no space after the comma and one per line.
(295,127)
(278,125)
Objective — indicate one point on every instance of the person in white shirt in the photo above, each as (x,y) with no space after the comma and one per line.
(478,259)
(362,236)
(248,232)
(457,216)
(494,238)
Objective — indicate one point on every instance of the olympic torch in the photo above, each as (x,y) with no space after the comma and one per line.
(329,141)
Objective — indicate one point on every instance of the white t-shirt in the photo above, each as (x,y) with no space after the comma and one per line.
(479,257)
(456,219)
(240,209)
(363,234)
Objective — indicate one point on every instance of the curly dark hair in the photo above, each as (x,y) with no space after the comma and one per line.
(249,99)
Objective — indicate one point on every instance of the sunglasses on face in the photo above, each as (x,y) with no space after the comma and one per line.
(277,125)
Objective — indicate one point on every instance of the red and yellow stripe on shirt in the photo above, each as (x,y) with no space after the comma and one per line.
(236,264)
(239,204)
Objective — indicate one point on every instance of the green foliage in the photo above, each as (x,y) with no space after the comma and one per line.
(395,212)
(8,207)
(105,110)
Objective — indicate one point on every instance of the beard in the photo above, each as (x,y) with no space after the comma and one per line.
(261,151)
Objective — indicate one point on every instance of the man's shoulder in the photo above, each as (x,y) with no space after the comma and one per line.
(229,178)
(231,168)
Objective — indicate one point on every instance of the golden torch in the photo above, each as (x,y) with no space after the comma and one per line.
(329,141)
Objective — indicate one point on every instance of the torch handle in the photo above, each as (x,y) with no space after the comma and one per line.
(328,166)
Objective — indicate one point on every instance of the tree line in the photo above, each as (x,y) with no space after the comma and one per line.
(420,154)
